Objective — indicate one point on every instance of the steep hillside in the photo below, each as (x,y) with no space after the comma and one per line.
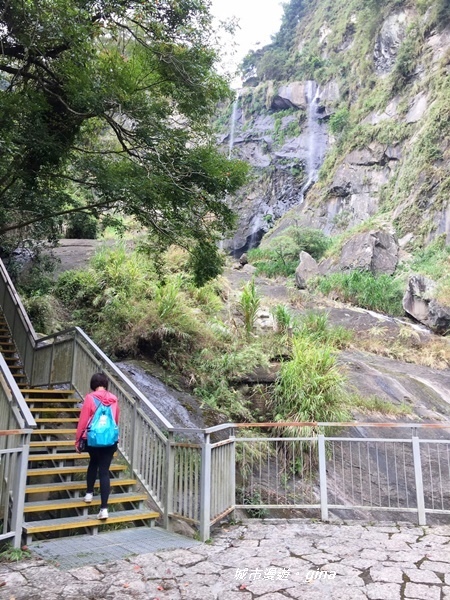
(345,120)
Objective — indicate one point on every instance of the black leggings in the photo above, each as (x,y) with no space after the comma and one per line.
(100,462)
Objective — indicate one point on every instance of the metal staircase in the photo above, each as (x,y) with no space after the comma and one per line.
(56,474)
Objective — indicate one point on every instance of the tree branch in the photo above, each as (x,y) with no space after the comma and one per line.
(90,207)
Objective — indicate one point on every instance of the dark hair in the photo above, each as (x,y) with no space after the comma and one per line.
(99,380)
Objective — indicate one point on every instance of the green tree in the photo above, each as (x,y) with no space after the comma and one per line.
(111,101)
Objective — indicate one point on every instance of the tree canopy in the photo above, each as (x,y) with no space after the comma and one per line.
(106,105)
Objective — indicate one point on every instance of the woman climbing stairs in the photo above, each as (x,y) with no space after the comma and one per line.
(56,476)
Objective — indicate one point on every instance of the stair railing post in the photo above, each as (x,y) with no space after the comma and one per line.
(169,479)
(323,477)
(74,357)
(136,439)
(19,490)
(205,490)
(233,469)
(422,520)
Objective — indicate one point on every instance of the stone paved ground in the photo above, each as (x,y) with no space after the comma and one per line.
(271,560)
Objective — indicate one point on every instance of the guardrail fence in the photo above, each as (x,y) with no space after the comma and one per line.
(407,472)
(200,476)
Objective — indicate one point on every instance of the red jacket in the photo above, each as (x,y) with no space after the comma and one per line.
(89,407)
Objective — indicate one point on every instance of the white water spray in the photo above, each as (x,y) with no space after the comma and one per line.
(315,137)
(233,125)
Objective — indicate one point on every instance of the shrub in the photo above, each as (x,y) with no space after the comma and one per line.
(45,313)
(339,120)
(312,241)
(280,254)
(81,226)
(127,310)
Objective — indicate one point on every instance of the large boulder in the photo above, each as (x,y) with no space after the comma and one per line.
(290,95)
(375,251)
(307,268)
(420,302)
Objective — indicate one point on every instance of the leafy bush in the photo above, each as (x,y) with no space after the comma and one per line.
(120,302)
(312,241)
(382,293)
(406,60)
(45,313)
(81,226)
(280,255)
(339,120)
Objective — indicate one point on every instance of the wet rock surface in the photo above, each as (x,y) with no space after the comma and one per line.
(272,560)
(419,301)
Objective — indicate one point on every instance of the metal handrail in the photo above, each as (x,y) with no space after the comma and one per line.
(16,395)
(311,424)
(136,392)
(17,301)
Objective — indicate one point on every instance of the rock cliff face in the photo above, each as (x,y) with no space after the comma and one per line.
(347,121)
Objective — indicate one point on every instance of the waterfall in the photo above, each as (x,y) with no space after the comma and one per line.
(233,125)
(316,140)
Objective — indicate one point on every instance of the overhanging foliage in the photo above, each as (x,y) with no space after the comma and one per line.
(110,101)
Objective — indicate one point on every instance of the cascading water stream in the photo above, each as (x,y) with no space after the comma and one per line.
(233,125)
(315,152)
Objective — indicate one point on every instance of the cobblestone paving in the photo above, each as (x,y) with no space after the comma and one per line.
(271,560)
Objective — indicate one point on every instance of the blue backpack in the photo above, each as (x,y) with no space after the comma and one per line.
(103,430)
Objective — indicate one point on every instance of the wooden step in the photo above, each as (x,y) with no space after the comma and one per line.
(69,470)
(67,503)
(60,409)
(57,456)
(59,420)
(73,486)
(126,516)
(51,400)
(50,392)
(54,431)
(52,443)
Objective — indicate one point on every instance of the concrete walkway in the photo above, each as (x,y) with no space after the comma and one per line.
(271,560)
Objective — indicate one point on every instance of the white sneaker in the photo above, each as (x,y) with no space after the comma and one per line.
(88,498)
(103,514)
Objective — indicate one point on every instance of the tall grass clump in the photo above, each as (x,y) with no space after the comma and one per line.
(283,318)
(316,327)
(216,372)
(381,293)
(310,386)
(249,303)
